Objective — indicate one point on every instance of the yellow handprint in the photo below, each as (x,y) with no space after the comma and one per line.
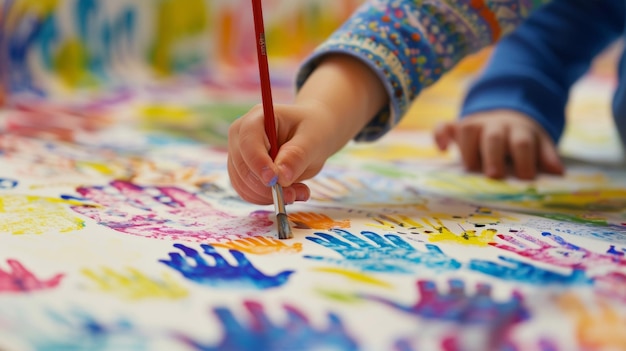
(28,214)
(600,329)
(439,232)
(136,285)
(312,220)
(260,245)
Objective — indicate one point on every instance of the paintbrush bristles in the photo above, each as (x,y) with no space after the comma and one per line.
(284,229)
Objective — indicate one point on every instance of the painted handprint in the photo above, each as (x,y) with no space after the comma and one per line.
(134,285)
(260,245)
(436,230)
(165,212)
(513,270)
(79,330)
(458,306)
(220,273)
(492,321)
(612,285)
(19,279)
(312,220)
(29,214)
(296,333)
(599,328)
(388,254)
(557,251)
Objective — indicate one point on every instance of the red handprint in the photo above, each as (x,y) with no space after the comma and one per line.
(20,279)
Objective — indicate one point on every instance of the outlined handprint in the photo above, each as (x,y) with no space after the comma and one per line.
(260,245)
(510,269)
(557,251)
(260,333)
(30,214)
(312,220)
(598,328)
(166,212)
(385,254)
(19,279)
(436,230)
(220,273)
(135,285)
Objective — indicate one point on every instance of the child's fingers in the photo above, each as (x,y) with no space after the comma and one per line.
(247,185)
(468,140)
(493,149)
(444,135)
(549,159)
(250,146)
(523,146)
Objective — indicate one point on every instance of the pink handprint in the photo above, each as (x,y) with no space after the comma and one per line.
(20,279)
(558,252)
(167,212)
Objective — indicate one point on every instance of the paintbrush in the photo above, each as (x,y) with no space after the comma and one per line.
(284,229)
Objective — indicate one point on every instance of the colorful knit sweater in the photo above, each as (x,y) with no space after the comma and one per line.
(411,43)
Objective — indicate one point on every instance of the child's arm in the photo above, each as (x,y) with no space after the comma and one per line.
(516,109)
(359,83)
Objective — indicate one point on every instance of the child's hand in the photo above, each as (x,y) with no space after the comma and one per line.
(337,100)
(488,140)
(302,135)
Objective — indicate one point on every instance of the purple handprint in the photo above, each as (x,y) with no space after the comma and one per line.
(495,319)
(517,271)
(459,307)
(166,212)
(559,252)
(296,333)
(221,273)
(389,254)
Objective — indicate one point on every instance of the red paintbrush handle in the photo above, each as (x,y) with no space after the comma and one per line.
(264,72)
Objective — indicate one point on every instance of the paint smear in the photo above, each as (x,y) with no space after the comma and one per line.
(312,220)
(354,276)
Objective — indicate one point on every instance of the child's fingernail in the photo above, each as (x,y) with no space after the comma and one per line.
(269,177)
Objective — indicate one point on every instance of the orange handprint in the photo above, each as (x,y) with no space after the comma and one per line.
(599,329)
(312,220)
(260,245)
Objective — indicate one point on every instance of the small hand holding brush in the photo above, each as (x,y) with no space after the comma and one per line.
(284,230)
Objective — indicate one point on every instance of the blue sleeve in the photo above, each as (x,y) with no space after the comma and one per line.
(410,44)
(533,69)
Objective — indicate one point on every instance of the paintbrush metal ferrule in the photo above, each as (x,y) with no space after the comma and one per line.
(284,229)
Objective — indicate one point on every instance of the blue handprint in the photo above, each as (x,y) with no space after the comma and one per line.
(221,273)
(296,333)
(519,271)
(388,254)
(81,331)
